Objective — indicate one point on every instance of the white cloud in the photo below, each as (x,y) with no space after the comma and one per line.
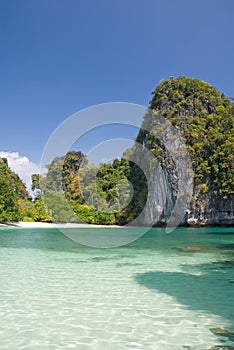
(22,166)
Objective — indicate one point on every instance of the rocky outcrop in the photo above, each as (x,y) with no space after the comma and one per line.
(203,119)
(214,212)
(202,210)
(189,249)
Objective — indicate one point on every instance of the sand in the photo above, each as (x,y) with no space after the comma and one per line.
(23,224)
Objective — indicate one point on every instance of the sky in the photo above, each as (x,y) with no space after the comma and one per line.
(61,56)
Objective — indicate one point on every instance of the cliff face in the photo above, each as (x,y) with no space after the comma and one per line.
(212,211)
(204,210)
(204,120)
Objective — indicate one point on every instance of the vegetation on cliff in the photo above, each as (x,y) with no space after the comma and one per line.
(205,119)
(74,190)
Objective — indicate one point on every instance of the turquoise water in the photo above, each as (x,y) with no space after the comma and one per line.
(57,294)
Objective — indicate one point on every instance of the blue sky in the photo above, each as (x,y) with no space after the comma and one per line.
(60,56)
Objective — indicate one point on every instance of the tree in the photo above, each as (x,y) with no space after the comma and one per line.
(11,190)
(40,211)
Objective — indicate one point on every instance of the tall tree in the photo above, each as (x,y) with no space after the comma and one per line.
(12,190)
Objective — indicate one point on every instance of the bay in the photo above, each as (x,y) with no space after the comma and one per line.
(58,294)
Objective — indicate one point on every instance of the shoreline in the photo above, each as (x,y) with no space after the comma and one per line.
(27,224)
(24,224)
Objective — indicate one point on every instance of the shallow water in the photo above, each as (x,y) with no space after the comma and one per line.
(57,294)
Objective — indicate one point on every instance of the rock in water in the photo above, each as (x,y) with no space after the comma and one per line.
(189,249)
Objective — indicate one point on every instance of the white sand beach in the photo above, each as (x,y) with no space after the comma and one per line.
(23,224)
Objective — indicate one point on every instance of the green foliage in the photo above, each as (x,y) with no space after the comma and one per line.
(75,190)
(26,209)
(40,211)
(12,190)
(36,178)
(204,188)
(91,216)
(53,180)
(97,195)
(110,191)
(61,172)
(204,118)
(138,181)
(109,176)
(58,208)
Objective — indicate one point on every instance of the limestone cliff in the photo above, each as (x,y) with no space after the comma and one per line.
(204,120)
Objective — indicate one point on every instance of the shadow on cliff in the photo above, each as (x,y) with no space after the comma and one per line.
(212,291)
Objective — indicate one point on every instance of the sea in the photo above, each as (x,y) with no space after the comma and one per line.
(155,292)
